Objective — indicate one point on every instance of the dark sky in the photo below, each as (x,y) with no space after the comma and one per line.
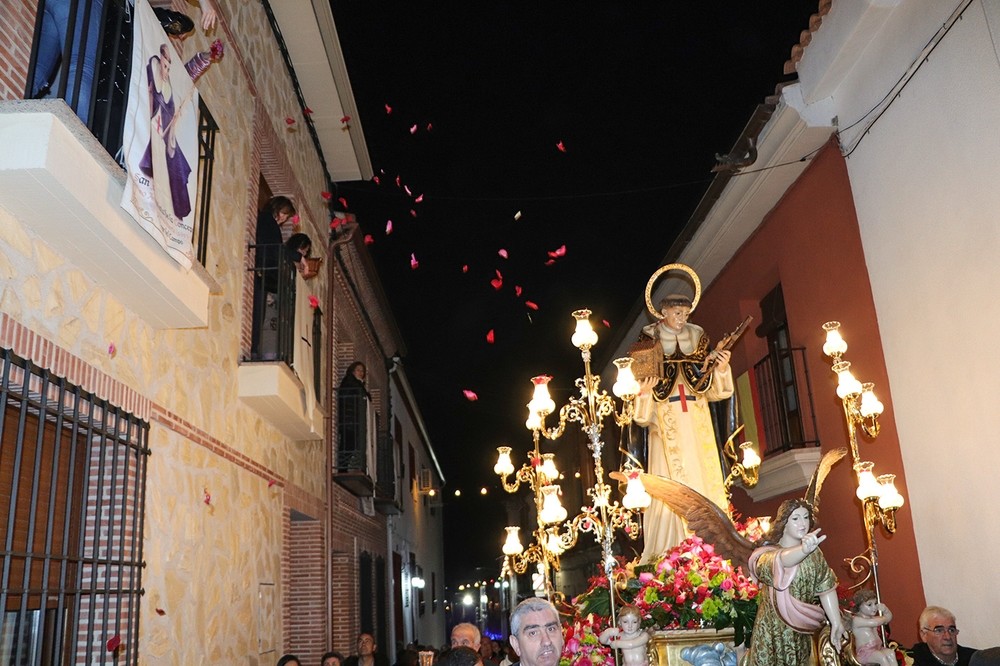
(641,95)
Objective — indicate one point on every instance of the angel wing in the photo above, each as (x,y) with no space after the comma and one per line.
(829,459)
(703,516)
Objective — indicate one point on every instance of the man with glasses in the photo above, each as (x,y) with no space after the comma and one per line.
(940,640)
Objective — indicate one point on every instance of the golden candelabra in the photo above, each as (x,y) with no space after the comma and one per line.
(746,470)
(602,516)
(878,495)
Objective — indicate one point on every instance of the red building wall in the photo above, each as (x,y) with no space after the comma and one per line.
(811,245)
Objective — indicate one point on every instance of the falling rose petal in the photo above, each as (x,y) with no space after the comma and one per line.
(208,497)
(271,483)
(397,181)
(295,220)
(517,290)
(498,274)
(343,202)
(369,240)
(376,180)
(465,268)
(313,302)
(406,188)
(413,261)
(490,337)
(419,199)
(606,323)
(388,109)
(550,262)
(114,642)
(388,227)
(561,147)
(413,130)
(335,222)
(309,112)
(160,611)
(429,127)
(497,283)
(558,252)
(470,395)
(517,216)
(502,252)
(289,120)
(413,213)
(345,119)
(531,304)
(112,350)
(326,195)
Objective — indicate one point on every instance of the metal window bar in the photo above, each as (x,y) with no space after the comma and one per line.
(786,403)
(74,468)
(207,130)
(317,345)
(274,304)
(352,430)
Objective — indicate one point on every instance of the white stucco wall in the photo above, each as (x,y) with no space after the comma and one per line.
(926,182)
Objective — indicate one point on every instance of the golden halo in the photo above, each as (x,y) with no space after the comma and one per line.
(660,271)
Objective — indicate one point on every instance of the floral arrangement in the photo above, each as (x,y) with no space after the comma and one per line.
(689,587)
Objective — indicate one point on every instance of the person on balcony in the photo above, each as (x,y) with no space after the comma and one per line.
(268,241)
(55,18)
(352,418)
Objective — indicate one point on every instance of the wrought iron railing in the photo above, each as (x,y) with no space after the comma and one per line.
(273,322)
(352,430)
(785,401)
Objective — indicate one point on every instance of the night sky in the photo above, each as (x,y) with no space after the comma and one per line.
(640,95)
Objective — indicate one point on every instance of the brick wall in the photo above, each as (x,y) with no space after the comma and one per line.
(306,632)
(17,23)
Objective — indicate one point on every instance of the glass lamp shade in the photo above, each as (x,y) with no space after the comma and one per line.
(765,523)
(868,486)
(512,546)
(541,402)
(552,543)
(534,421)
(889,499)
(626,384)
(585,336)
(549,466)
(636,496)
(835,345)
(847,384)
(552,509)
(750,458)
(870,405)
(504,466)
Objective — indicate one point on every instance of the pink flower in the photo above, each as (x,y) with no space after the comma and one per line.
(645,577)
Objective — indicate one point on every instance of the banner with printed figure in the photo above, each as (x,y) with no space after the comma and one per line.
(161,139)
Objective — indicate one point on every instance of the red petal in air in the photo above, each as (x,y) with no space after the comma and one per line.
(558,252)
(376,180)
(397,182)
(413,261)
(490,337)
(368,239)
(313,302)
(114,642)
(419,199)
(517,216)
(606,323)
(502,252)
(413,213)
(406,189)
(429,127)
(498,274)
(561,147)
(465,268)
(335,222)
(470,395)
(517,290)
(388,109)
(289,120)
(112,350)
(343,202)
(295,220)
(208,497)
(497,283)
(345,119)
(413,130)
(309,112)
(550,262)
(531,304)
(326,195)
(388,227)
(160,611)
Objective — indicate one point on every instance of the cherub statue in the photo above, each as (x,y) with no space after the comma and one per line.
(788,566)
(629,637)
(870,615)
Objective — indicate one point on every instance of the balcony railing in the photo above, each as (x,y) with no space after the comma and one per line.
(273,304)
(385,480)
(355,459)
(785,401)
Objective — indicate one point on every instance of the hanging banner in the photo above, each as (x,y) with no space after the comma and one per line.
(160,139)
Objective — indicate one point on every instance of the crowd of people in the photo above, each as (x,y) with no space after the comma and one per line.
(536,639)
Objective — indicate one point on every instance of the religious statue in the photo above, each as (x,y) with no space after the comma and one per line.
(797,587)
(870,615)
(629,637)
(674,408)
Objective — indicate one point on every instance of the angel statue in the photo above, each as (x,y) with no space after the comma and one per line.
(797,586)
(629,637)
(674,405)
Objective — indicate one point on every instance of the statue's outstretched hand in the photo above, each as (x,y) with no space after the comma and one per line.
(811,541)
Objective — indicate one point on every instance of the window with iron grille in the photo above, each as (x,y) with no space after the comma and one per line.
(72,494)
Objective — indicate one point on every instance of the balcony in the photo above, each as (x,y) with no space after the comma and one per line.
(356,446)
(386,500)
(63,187)
(789,441)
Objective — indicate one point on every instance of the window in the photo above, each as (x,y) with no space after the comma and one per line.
(72,489)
